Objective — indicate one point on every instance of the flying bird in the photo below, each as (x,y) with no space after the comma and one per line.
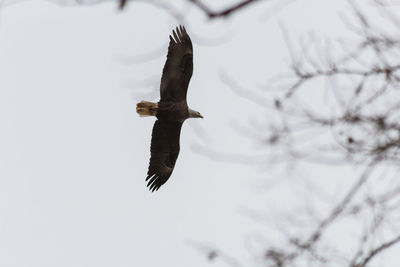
(172,109)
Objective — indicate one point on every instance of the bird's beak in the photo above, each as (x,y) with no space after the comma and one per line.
(201,116)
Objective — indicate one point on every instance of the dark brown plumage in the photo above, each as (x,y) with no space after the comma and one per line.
(172,109)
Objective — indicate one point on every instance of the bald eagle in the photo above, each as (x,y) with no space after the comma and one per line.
(172,109)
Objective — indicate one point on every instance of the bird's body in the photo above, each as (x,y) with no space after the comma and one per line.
(172,109)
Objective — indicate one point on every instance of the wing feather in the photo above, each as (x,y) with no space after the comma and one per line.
(164,152)
(178,68)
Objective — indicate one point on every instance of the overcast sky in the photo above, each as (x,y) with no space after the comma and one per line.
(74,153)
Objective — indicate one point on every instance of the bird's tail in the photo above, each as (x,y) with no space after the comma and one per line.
(146,108)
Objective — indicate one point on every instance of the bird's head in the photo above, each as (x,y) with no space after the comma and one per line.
(194,114)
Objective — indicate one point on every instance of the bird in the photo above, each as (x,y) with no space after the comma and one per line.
(171,111)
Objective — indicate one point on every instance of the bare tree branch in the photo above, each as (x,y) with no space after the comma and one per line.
(207,10)
(222,13)
(359,125)
(376,251)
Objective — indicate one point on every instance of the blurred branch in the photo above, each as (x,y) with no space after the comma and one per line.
(215,254)
(122,4)
(336,212)
(374,252)
(222,13)
(212,14)
(353,119)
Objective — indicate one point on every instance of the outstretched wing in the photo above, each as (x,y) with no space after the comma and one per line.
(178,68)
(164,152)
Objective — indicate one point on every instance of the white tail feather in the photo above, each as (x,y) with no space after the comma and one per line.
(146,108)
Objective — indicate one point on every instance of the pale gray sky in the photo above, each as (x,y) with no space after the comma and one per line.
(74,153)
